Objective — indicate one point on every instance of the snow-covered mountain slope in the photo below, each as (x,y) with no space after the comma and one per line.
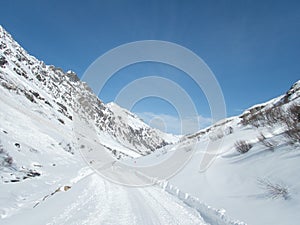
(66,190)
(255,173)
(44,179)
(58,96)
(47,182)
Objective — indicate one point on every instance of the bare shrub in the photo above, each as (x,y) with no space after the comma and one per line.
(274,190)
(250,119)
(265,142)
(291,121)
(254,118)
(289,118)
(255,121)
(294,112)
(261,137)
(244,120)
(242,146)
(274,115)
(9,160)
(220,135)
(293,133)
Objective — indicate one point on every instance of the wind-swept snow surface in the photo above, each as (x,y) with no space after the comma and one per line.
(95,201)
(44,180)
(259,185)
(66,191)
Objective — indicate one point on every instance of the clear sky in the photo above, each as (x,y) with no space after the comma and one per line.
(252,47)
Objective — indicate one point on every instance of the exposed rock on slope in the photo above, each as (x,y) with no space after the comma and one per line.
(61,94)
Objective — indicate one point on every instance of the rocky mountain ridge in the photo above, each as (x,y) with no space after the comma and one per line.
(62,94)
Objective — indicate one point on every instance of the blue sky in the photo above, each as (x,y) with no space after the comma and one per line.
(252,47)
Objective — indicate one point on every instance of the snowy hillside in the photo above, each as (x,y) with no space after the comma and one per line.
(255,173)
(253,176)
(46,183)
(44,179)
(57,96)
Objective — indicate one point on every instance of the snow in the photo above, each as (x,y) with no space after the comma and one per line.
(136,123)
(233,181)
(89,200)
(86,203)
(50,88)
(48,181)
(64,190)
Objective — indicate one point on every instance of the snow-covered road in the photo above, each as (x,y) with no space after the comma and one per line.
(93,200)
(102,202)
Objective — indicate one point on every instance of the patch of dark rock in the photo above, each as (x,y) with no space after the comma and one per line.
(33,174)
(8,160)
(30,97)
(37,165)
(35,94)
(60,120)
(14,180)
(33,150)
(62,106)
(48,103)
(17,145)
(3,61)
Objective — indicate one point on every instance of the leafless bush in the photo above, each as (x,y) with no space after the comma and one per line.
(255,118)
(291,121)
(293,135)
(244,120)
(261,137)
(5,158)
(274,190)
(270,145)
(218,134)
(242,146)
(289,118)
(1,149)
(229,130)
(294,112)
(273,115)
(8,160)
(250,119)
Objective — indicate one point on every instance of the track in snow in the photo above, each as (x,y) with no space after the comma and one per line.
(104,203)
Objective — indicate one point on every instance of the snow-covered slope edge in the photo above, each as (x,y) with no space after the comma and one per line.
(210,214)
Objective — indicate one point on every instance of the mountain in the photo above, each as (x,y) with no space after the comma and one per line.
(43,177)
(247,164)
(57,96)
(244,167)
